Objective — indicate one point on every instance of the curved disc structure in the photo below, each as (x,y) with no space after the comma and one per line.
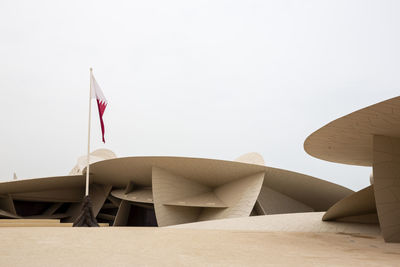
(170,190)
(42,184)
(348,139)
(368,137)
(315,193)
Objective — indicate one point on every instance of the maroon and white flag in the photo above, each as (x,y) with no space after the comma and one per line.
(101,100)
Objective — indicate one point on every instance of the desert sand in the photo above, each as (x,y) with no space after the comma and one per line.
(123,246)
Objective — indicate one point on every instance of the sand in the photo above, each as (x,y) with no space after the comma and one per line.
(290,222)
(128,246)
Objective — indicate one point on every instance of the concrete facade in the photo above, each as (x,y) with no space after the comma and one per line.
(165,191)
(168,191)
(368,137)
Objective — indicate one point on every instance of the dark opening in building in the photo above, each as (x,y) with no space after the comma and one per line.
(142,215)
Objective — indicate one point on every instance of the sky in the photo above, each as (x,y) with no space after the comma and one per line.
(213,79)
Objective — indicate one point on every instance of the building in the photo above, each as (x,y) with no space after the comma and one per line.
(163,191)
(168,191)
(367,137)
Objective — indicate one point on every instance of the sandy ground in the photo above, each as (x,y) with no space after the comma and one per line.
(119,246)
(291,222)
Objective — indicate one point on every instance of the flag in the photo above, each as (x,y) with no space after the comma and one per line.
(101,100)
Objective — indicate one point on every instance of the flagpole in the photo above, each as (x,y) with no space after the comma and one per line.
(86,217)
(88,147)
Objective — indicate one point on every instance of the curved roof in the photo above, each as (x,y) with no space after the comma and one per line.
(348,139)
(316,193)
(209,172)
(41,184)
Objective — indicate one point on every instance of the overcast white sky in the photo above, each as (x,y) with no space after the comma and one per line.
(213,79)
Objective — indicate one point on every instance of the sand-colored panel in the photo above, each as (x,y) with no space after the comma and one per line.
(42,184)
(130,187)
(7,204)
(98,194)
(143,195)
(208,199)
(73,194)
(6,214)
(122,214)
(252,158)
(273,202)
(315,193)
(258,210)
(239,195)
(386,170)
(169,187)
(206,173)
(356,204)
(139,170)
(348,139)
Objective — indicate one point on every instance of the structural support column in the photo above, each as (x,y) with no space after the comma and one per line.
(386,171)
